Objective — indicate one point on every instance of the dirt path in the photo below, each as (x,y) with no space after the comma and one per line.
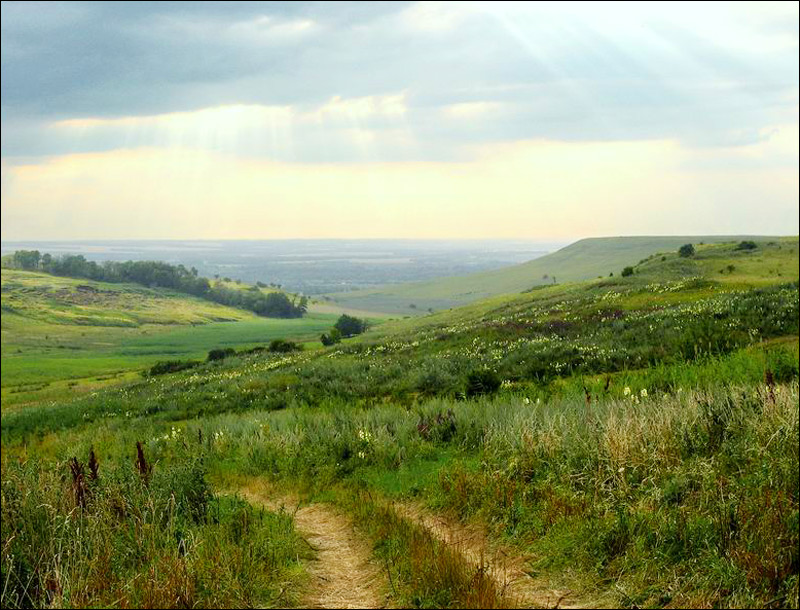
(507,567)
(342,574)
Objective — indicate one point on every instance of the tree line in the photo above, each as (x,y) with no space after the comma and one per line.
(157,274)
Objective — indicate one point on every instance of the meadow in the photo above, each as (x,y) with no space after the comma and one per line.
(64,336)
(632,441)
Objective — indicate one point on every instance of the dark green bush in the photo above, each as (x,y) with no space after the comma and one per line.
(349,326)
(283,346)
(171,366)
(220,354)
(482,381)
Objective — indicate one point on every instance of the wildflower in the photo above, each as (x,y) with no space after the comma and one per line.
(643,393)
(526,401)
(626,391)
(362,455)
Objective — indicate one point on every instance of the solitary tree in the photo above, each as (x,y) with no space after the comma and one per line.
(686,250)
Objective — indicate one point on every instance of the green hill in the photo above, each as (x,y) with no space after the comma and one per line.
(574,423)
(65,335)
(585,259)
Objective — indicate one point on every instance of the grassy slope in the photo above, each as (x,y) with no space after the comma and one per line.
(774,262)
(56,331)
(650,495)
(585,259)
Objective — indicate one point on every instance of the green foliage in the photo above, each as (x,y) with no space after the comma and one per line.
(282,346)
(349,326)
(627,271)
(686,251)
(331,338)
(747,245)
(220,354)
(156,274)
(164,367)
(482,381)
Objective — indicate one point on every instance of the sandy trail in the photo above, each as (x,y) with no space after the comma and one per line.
(507,567)
(342,574)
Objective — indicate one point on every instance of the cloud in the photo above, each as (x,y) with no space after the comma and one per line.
(456,75)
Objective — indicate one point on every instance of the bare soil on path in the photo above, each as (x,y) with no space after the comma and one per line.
(507,567)
(342,575)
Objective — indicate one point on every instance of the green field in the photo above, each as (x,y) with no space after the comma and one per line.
(623,441)
(63,336)
(583,260)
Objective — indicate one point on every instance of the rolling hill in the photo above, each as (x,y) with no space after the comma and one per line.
(64,335)
(585,259)
(573,424)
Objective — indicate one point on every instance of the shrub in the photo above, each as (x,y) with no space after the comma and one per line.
(627,271)
(747,245)
(482,381)
(283,346)
(349,326)
(332,338)
(686,250)
(171,366)
(220,354)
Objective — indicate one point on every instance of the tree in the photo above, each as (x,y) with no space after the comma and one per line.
(627,271)
(27,259)
(686,250)
(747,245)
(349,326)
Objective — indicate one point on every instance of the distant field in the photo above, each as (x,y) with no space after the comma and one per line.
(583,260)
(62,336)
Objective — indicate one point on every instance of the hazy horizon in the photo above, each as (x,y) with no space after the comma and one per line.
(539,121)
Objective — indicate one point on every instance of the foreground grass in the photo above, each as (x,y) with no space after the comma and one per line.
(682,499)
(155,539)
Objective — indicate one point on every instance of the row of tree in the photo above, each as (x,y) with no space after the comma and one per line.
(156,274)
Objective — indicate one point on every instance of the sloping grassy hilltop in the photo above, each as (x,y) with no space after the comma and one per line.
(583,260)
(629,441)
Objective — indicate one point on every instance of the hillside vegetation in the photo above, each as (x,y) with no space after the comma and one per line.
(583,260)
(61,336)
(632,440)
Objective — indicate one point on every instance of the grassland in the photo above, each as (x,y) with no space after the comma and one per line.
(64,336)
(633,439)
(583,260)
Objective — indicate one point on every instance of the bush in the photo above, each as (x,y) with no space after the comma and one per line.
(171,366)
(747,245)
(220,354)
(686,250)
(627,271)
(482,381)
(349,326)
(283,346)
(332,338)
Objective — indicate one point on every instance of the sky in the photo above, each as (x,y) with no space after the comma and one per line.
(249,120)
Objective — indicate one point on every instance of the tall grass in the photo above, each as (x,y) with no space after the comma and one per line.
(678,499)
(121,539)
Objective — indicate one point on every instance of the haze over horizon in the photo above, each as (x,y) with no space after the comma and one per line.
(547,121)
